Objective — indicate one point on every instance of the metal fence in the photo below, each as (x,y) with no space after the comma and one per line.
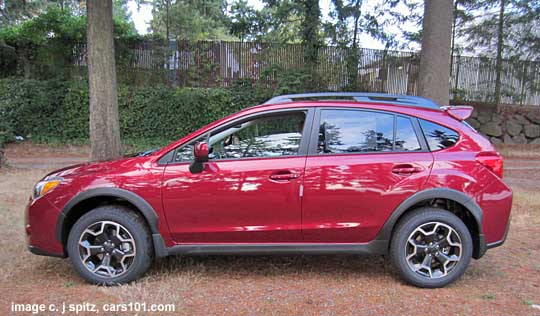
(219,64)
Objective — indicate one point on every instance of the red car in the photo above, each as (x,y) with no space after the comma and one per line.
(373,174)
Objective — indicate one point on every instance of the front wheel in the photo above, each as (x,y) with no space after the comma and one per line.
(110,245)
(431,247)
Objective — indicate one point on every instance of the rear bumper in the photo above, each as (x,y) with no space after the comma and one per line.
(500,242)
(483,246)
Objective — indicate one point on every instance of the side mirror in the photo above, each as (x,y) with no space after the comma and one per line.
(200,153)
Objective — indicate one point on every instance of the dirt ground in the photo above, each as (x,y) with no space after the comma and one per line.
(506,281)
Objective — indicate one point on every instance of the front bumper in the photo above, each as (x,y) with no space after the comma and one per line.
(41,252)
(40,228)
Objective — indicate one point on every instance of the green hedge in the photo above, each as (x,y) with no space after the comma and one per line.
(58,110)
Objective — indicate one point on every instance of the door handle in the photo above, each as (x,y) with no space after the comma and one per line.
(406,169)
(284,176)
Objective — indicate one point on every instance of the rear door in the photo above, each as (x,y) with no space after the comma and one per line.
(361,166)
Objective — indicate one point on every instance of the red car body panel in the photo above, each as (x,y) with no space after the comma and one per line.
(345,198)
(205,207)
(343,194)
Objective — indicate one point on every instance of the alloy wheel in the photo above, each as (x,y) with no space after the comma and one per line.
(107,249)
(433,250)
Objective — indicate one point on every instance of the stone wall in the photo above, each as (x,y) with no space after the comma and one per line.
(508,124)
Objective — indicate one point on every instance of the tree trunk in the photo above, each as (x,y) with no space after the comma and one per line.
(500,40)
(454,27)
(311,39)
(352,60)
(433,81)
(2,159)
(104,124)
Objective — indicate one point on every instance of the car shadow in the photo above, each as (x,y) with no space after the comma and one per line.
(219,266)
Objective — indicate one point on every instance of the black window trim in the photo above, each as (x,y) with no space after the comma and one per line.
(314,139)
(302,149)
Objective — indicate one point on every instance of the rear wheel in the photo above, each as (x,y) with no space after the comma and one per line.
(110,245)
(431,247)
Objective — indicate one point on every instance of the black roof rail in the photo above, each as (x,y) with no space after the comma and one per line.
(360,96)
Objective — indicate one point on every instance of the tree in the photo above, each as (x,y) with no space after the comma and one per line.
(434,73)
(462,15)
(190,20)
(500,43)
(244,20)
(346,39)
(15,11)
(311,32)
(504,30)
(104,122)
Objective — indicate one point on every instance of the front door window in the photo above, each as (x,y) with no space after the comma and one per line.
(268,136)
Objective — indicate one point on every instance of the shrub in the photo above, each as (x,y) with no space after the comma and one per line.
(44,110)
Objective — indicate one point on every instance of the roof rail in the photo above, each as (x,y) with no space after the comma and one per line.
(407,100)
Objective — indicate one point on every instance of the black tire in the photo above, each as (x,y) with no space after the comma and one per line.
(399,243)
(133,223)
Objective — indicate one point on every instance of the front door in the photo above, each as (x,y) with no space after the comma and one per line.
(249,190)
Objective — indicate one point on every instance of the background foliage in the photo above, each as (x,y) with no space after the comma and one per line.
(57,110)
(286,43)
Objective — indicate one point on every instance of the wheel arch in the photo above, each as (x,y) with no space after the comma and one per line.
(87,200)
(456,202)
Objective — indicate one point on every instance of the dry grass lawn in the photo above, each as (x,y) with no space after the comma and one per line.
(505,282)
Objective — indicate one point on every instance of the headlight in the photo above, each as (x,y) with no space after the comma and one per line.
(45,186)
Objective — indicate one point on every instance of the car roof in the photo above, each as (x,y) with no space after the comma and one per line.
(377,106)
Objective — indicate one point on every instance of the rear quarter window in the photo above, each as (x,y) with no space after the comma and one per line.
(438,137)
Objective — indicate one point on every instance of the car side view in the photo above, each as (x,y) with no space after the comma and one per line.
(320,173)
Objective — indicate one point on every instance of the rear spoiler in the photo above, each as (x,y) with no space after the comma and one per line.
(459,112)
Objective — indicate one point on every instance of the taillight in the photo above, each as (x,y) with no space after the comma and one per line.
(491,160)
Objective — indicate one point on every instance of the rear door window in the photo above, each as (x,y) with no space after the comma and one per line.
(438,137)
(352,131)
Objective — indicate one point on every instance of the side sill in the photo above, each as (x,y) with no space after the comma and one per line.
(41,252)
(376,247)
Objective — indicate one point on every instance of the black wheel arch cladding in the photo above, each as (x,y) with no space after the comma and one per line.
(142,205)
(436,193)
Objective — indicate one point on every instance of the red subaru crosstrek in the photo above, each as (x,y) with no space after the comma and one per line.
(300,174)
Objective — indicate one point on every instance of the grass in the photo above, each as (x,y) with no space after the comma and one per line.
(275,285)
(489,296)
(519,151)
(129,146)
